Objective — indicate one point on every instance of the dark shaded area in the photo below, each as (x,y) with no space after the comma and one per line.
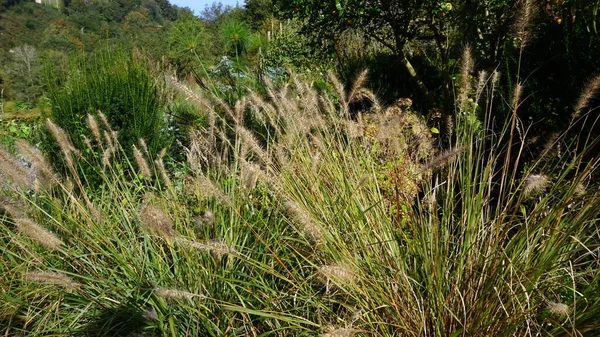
(119,321)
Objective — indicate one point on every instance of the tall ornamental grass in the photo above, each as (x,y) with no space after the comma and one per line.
(298,217)
(121,85)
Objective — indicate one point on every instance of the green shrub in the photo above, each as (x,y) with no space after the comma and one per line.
(30,24)
(122,87)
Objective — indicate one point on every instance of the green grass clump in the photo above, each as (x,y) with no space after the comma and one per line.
(119,84)
(323,223)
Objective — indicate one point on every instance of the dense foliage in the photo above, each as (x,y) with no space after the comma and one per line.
(299,168)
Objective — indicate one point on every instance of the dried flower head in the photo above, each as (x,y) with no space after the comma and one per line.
(217,248)
(93,125)
(535,183)
(338,273)
(45,174)
(465,73)
(163,171)
(38,233)
(310,228)
(210,189)
(156,220)
(208,217)
(590,89)
(141,163)
(249,175)
(341,332)
(104,120)
(53,278)
(559,309)
(175,294)
(151,315)
(15,171)
(523,23)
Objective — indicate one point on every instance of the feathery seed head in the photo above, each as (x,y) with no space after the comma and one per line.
(38,233)
(590,89)
(249,175)
(535,183)
(523,23)
(338,273)
(208,217)
(46,175)
(310,228)
(465,73)
(217,248)
(341,332)
(156,220)
(141,163)
(53,278)
(210,189)
(93,125)
(517,96)
(16,171)
(175,294)
(559,309)
(163,171)
(151,315)
(104,120)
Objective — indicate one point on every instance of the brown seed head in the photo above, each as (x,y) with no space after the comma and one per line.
(53,278)
(38,233)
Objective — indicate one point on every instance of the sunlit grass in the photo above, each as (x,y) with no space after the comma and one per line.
(294,216)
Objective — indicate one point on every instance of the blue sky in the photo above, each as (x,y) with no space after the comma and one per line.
(198,5)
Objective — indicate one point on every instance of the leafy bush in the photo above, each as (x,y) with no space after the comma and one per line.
(288,47)
(121,86)
(30,24)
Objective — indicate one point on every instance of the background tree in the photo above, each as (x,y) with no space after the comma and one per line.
(187,43)
(257,12)
(235,34)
